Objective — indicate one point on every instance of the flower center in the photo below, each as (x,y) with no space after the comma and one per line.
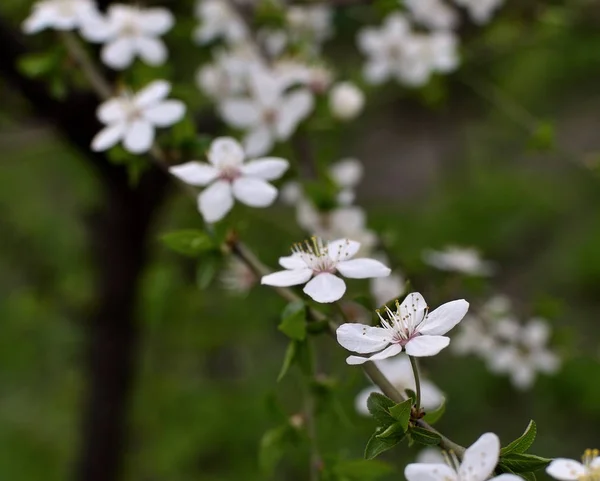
(229,172)
(403,328)
(270,116)
(592,473)
(316,255)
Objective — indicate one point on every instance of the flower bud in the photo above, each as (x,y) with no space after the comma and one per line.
(346,101)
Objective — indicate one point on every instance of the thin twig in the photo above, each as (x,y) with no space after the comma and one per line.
(415,368)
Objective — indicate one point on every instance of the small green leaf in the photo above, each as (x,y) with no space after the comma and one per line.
(425,436)
(528,476)
(288,359)
(401,413)
(207,271)
(378,406)
(362,469)
(37,64)
(188,242)
(523,463)
(433,417)
(523,443)
(376,446)
(293,321)
(392,430)
(411,395)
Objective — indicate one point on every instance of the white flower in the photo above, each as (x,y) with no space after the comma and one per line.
(218,20)
(133,118)
(237,277)
(228,177)
(271,114)
(315,263)
(291,192)
(346,101)
(480,11)
(347,174)
(478,464)
(571,470)
(411,327)
(311,22)
(432,13)
(458,259)
(473,338)
(129,32)
(399,372)
(60,15)
(384,289)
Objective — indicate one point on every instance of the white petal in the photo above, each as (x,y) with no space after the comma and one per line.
(254,192)
(151,50)
(267,168)
(108,137)
(292,262)
(480,458)
(118,54)
(429,472)
(225,151)
(111,111)
(240,113)
(139,137)
(362,269)
(342,249)
(376,71)
(595,464)
(325,288)
(294,109)
(157,21)
(431,396)
(566,469)
(165,113)
(390,351)
(286,278)
(215,201)
(152,93)
(444,318)
(258,141)
(507,477)
(195,173)
(413,308)
(36,22)
(423,346)
(347,172)
(361,338)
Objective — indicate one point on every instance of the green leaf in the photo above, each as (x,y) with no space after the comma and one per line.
(376,446)
(273,445)
(523,443)
(317,327)
(411,395)
(288,359)
(188,242)
(37,64)
(401,413)
(425,436)
(433,417)
(207,271)
(523,463)
(528,476)
(293,321)
(543,138)
(362,469)
(378,406)
(392,430)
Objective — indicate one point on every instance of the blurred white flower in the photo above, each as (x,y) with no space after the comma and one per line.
(133,118)
(399,372)
(458,259)
(571,470)
(228,177)
(316,263)
(473,338)
(430,455)
(477,464)
(346,101)
(480,11)
(311,22)
(218,20)
(270,114)
(60,15)
(237,277)
(433,14)
(385,289)
(412,328)
(347,174)
(292,71)
(129,32)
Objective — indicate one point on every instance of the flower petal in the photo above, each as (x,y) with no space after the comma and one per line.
(444,318)
(361,338)
(118,54)
(362,269)
(423,346)
(413,308)
(240,113)
(507,477)
(480,458)
(195,173)
(342,249)
(295,107)
(258,141)
(152,93)
(157,21)
(165,113)
(254,192)
(267,168)
(215,201)
(111,111)
(290,277)
(429,472)
(389,351)
(225,151)
(151,50)
(292,262)
(108,137)
(139,137)
(566,469)
(431,396)
(325,288)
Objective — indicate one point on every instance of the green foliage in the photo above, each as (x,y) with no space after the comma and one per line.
(361,469)
(424,436)
(433,417)
(379,405)
(188,242)
(293,321)
(274,444)
(401,413)
(522,443)
(522,462)
(288,359)
(376,445)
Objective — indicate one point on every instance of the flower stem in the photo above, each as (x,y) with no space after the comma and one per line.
(415,368)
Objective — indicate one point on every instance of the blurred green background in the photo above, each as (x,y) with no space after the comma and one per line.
(501,155)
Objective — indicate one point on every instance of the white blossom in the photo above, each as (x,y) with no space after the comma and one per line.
(411,328)
(385,289)
(270,114)
(346,101)
(399,372)
(132,118)
(570,470)
(218,20)
(458,259)
(311,22)
(478,464)
(316,264)
(60,15)
(129,32)
(480,11)
(347,174)
(435,14)
(228,177)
